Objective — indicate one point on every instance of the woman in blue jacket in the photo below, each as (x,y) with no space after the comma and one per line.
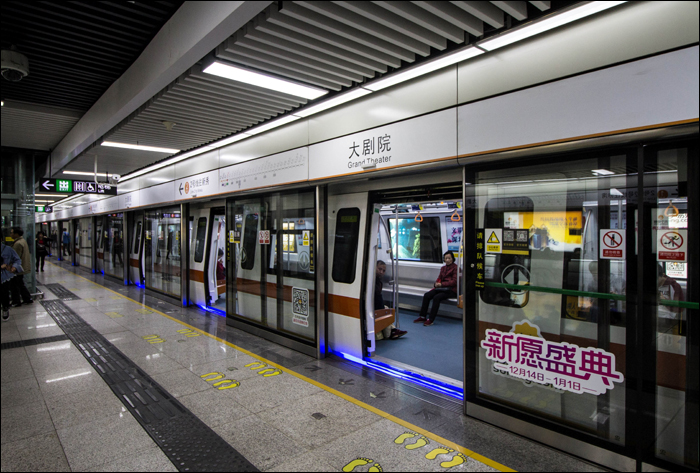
(10,266)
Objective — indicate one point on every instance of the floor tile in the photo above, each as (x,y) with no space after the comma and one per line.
(296,419)
(260,443)
(84,407)
(15,365)
(17,393)
(152,459)
(90,445)
(214,407)
(65,383)
(38,453)
(27,420)
(181,382)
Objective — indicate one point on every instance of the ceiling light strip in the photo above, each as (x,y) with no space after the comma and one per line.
(247,76)
(84,173)
(140,147)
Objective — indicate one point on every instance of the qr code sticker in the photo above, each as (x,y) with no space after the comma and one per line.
(300,301)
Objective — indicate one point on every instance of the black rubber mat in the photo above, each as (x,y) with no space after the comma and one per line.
(61,292)
(187,441)
(34,341)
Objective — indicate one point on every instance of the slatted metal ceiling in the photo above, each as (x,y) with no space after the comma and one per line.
(76,50)
(332,45)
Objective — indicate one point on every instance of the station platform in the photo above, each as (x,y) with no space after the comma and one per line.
(102,377)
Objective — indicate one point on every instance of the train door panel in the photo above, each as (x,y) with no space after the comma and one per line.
(347,218)
(198,235)
(248,281)
(136,256)
(99,245)
(216,259)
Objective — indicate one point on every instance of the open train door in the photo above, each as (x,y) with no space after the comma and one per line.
(347,219)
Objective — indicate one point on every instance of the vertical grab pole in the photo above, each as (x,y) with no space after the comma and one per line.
(395,267)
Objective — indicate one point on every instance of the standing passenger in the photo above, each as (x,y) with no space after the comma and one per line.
(66,242)
(42,250)
(19,290)
(445,287)
(10,265)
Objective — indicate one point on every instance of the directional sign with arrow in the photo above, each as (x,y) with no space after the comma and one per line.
(48,185)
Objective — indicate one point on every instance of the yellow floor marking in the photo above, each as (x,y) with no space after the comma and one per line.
(90,300)
(114,315)
(116,297)
(328,389)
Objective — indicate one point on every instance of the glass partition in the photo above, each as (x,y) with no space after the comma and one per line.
(270,263)
(114,245)
(162,250)
(674,305)
(83,243)
(552,252)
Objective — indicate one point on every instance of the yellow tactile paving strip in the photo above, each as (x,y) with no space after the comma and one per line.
(458,448)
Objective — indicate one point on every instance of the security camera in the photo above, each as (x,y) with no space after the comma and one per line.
(15,65)
(114,178)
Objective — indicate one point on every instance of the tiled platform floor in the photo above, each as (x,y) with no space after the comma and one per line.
(59,415)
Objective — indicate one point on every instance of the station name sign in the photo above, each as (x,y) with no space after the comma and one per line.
(69,186)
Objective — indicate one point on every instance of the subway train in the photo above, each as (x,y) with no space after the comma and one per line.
(568,230)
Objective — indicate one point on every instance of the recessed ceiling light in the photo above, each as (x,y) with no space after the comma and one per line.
(140,147)
(602,172)
(262,80)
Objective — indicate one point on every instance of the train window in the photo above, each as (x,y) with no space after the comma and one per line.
(418,241)
(137,238)
(250,240)
(199,242)
(347,233)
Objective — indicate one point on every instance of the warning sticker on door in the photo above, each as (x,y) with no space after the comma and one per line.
(612,244)
(494,240)
(264,237)
(671,245)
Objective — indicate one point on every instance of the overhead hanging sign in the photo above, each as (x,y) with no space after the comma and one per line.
(69,186)
(612,244)
(672,245)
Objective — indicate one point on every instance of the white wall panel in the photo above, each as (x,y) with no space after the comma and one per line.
(128,186)
(130,200)
(158,177)
(416,97)
(282,168)
(418,140)
(633,30)
(164,193)
(660,89)
(293,135)
(201,163)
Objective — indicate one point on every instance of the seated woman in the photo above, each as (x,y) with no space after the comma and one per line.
(445,287)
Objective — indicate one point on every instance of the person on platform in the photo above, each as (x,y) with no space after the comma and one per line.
(10,265)
(18,288)
(42,250)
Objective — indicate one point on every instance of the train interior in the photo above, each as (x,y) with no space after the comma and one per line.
(412,238)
